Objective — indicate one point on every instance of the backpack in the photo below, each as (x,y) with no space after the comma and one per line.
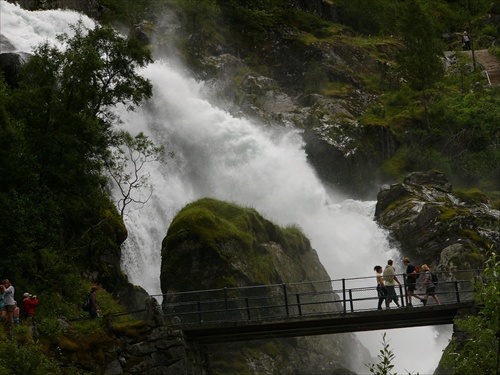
(417,270)
(434,278)
(86,304)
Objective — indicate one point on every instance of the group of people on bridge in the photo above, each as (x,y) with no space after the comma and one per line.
(387,280)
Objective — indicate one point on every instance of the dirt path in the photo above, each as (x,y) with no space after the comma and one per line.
(489,63)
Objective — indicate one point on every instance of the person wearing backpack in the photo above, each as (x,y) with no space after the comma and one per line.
(93,307)
(430,286)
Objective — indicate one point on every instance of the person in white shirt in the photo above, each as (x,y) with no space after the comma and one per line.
(390,280)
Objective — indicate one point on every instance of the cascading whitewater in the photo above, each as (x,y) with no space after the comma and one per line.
(232,159)
(219,156)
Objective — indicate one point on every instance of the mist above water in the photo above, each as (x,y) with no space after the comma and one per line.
(236,160)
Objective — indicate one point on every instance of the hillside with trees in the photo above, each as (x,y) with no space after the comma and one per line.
(407,109)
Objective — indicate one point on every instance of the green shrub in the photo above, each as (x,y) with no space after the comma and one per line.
(50,328)
(25,359)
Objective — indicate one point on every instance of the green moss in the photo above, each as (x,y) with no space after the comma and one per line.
(474,236)
(227,240)
(130,329)
(448,213)
(472,196)
(337,89)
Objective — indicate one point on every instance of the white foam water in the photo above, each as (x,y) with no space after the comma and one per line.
(236,160)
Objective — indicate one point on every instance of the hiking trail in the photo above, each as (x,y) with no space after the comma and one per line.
(489,63)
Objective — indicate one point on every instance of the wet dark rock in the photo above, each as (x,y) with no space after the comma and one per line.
(434,226)
(10,63)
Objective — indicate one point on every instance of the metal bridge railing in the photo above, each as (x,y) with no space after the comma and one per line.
(280,301)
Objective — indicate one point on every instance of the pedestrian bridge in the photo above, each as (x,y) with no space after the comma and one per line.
(312,308)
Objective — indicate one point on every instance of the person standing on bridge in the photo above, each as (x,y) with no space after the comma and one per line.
(411,280)
(390,280)
(381,289)
(430,288)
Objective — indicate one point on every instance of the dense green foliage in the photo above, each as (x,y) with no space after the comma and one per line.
(479,352)
(56,130)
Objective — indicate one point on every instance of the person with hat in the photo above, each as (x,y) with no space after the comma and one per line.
(29,304)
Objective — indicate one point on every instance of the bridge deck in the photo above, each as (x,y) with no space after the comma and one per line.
(216,332)
(310,308)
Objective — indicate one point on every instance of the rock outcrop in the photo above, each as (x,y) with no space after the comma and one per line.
(145,347)
(212,244)
(435,226)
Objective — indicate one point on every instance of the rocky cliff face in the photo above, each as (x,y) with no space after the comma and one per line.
(435,226)
(345,153)
(212,244)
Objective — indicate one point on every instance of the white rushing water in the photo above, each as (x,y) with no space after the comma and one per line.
(236,160)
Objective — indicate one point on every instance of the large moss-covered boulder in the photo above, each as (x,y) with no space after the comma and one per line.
(213,244)
(434,225)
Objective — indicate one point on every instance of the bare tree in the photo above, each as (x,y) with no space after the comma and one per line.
(126,168)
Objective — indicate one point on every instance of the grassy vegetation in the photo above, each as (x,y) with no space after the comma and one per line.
(226,238)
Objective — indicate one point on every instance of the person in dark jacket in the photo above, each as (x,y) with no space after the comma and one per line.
(412,274)
(94,307)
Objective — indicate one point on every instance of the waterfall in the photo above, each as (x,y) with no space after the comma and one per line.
(236,160)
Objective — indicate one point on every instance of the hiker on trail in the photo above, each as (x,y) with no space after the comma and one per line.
(412,274)
(9,301)
(465,41)
(94,308)
(390,280)
(381,289)
(29,304)
(430,288)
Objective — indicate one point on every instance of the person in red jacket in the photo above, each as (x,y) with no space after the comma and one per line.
(29,304)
